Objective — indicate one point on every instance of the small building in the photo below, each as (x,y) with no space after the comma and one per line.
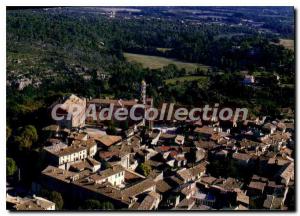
(147,201)
(285,174)
(205,131)
(115,176)
(34,203)
(63,156)
(87,164)
(273,202)
(107,141)
(242,158)
(191,174)
(179,139)
(71,112)
(185,204)
(248,79)
(256,188)
(110,185)
(206,199)
(242,199)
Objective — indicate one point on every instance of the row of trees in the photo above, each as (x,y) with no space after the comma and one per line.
(92,204)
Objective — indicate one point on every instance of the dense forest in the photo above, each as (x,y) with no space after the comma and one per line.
(62,38)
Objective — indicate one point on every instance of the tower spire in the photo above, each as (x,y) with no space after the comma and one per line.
(143,92)
(143,98)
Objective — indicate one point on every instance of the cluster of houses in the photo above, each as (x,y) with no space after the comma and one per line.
(222,166)
(34,203)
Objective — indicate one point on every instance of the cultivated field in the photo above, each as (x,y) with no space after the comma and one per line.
(155,62)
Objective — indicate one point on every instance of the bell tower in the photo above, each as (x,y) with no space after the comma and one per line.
(143,98)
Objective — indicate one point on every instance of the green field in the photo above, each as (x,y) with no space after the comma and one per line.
(155,62)
(187,79)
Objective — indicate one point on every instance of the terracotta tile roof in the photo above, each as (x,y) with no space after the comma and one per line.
(191,173)
(230,184)
(166,148)
(111,171)
(272,202)
(290,125)
(162,186)
(129,176)
(242,208)
(279,161)
(76,146)
(109,140)
(241,197)
(257,185)
(173,153)
(176,180)
(277,202)
(78,136)
(287,172)
(29,204)
(241,156)
(196,170)
(208,179)
(108,154)
(167,136)
(88,163)
(259,178)
(149,201)
(204,130)
(206,144)
(104,189)
(185,204)
(248,143)
(281,126)
(138,188)
(78,166)
(185,174)
(268,202)
(59,174)
(54,128)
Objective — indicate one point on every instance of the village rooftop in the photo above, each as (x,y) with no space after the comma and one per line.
(167,112)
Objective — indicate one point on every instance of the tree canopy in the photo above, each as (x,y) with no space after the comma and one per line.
(144,169)
(11,166)
(92,204)
(26,137)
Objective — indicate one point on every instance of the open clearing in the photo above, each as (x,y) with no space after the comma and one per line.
(155,62)
(287,43)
